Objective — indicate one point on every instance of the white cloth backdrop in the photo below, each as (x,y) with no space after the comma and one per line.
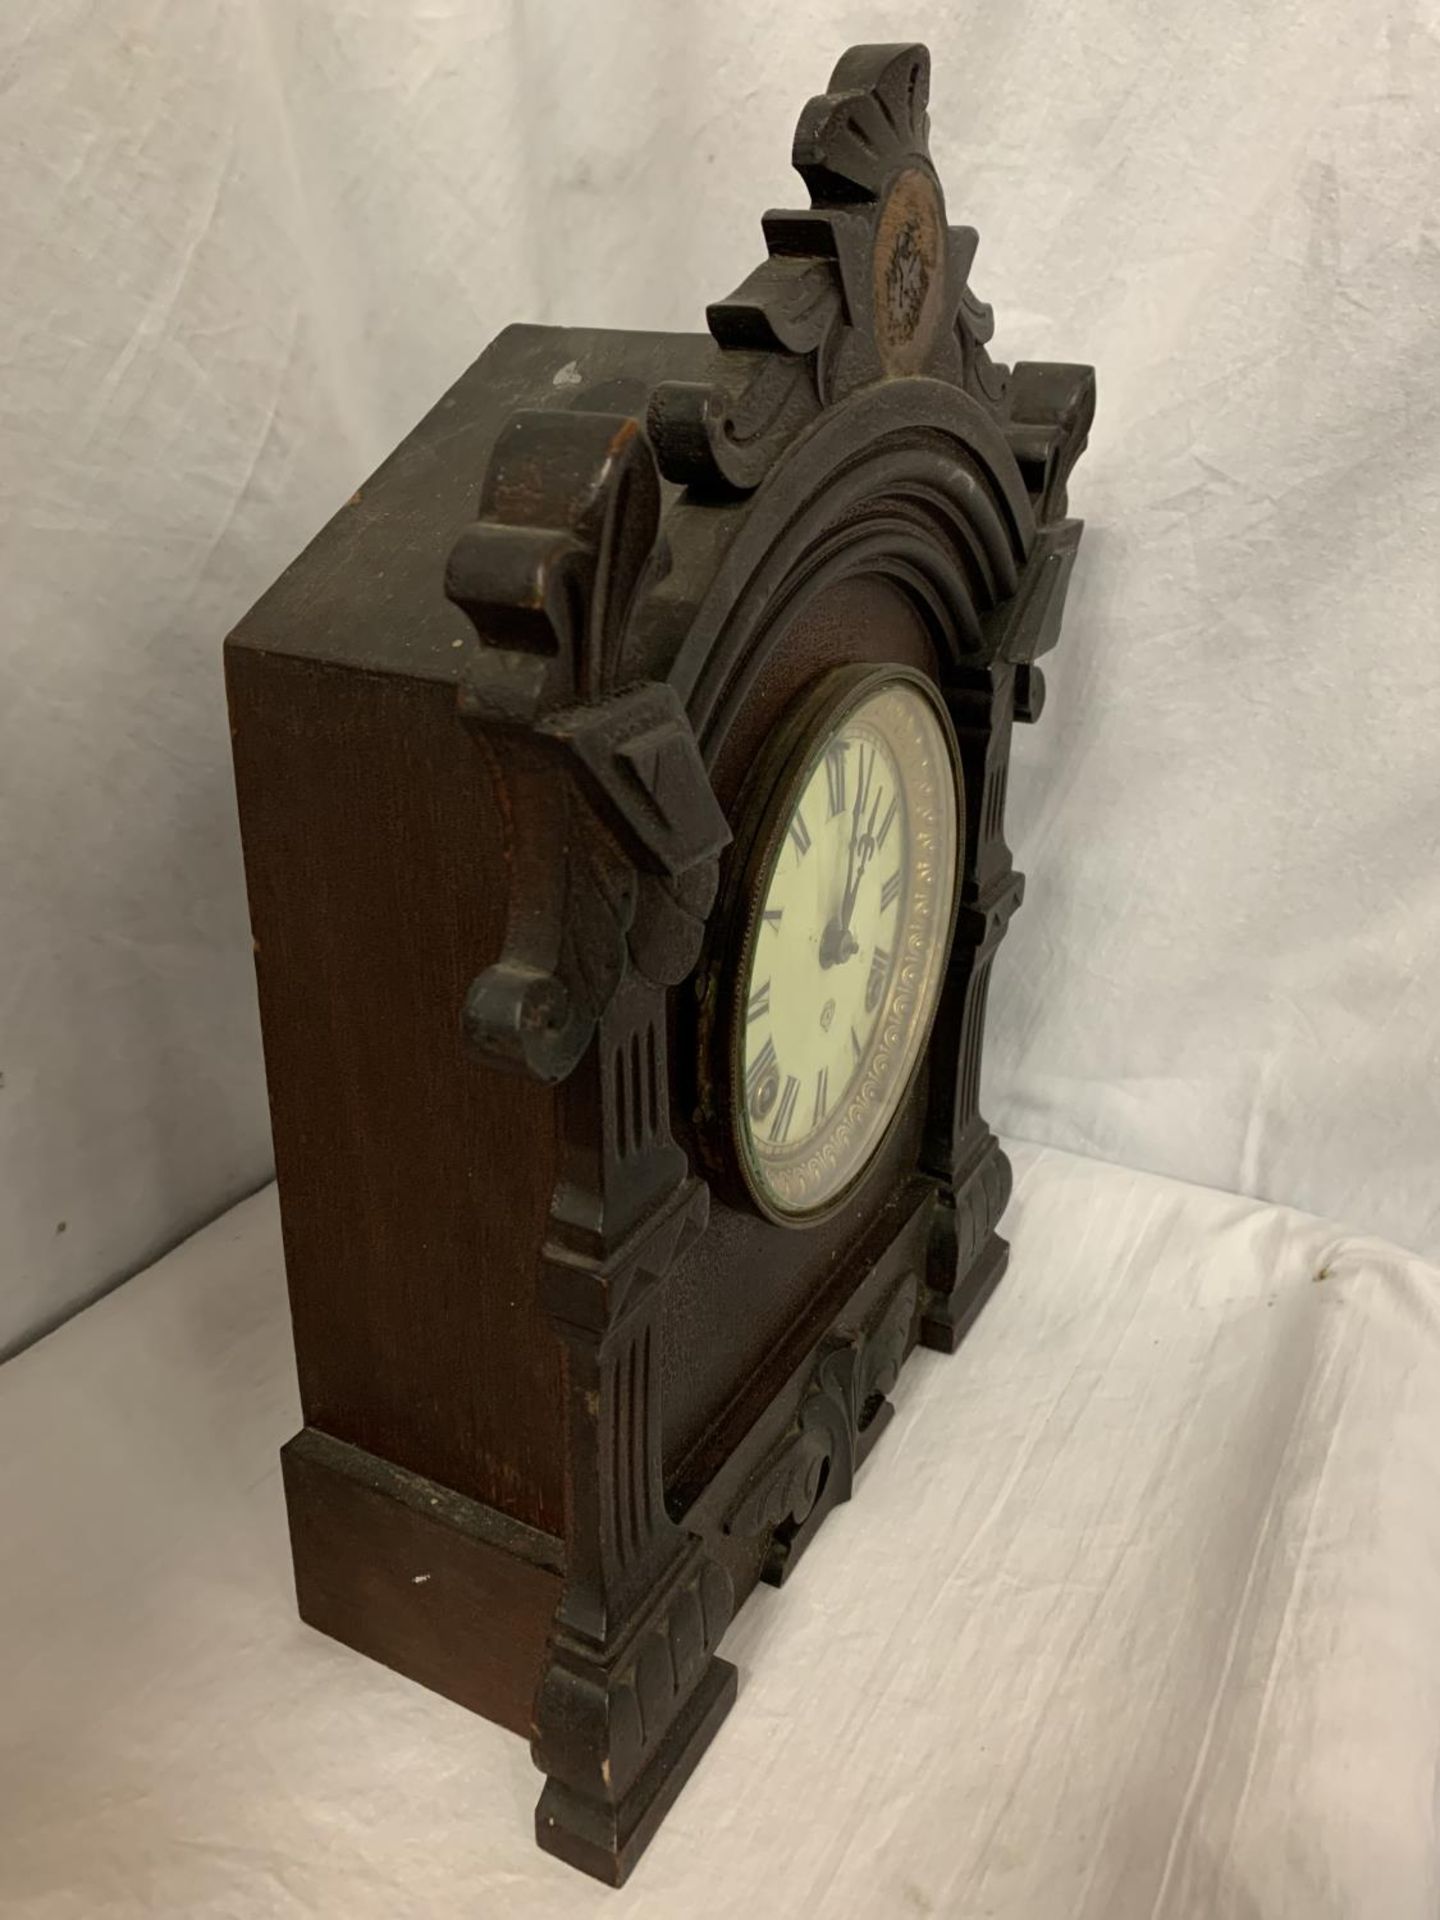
(1132,1618)
(244,243)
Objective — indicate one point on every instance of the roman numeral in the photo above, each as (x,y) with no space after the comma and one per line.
(835,775)
(822,1095)
(890,892)
(759,1067)
(854,1043)
(759,1004)
(771,916)
(879,972)
(867,775)
(885,824)
(800,834)
(785,1112)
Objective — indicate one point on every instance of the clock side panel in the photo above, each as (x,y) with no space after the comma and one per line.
(748,1295)
(414,1184)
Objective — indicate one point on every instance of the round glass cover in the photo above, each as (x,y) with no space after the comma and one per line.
(847,934)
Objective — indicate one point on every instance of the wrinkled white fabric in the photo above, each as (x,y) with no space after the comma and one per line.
(1132,1617)
(245,243)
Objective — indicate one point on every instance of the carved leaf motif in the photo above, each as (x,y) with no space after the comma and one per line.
(785,1490)
(875,109)
(868,283)
(812,1469)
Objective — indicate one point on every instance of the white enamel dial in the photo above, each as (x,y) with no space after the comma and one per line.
(849,924)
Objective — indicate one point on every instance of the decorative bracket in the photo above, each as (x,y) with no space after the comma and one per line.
(613,838)
(943,471)
(632,1687)
(614,832)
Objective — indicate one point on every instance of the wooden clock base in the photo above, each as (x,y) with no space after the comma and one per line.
(462,1598)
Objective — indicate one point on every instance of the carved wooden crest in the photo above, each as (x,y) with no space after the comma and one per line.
(866,284)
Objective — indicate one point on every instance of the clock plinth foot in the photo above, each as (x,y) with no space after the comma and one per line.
(605,1838)
(620,1720)
(948,1317)
(966,1255)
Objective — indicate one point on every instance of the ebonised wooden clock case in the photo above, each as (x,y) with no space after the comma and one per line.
(568,1393)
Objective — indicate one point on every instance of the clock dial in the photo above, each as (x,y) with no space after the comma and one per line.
(848,928)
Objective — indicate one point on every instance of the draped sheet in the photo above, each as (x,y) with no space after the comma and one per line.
(246,243)
(1132,1617)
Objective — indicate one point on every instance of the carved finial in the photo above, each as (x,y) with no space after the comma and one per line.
(569,510)
(604,778)
(868,283)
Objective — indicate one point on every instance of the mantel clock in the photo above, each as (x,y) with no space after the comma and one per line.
(622,777)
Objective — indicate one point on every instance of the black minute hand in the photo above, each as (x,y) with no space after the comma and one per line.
(856,811)
(862,845)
